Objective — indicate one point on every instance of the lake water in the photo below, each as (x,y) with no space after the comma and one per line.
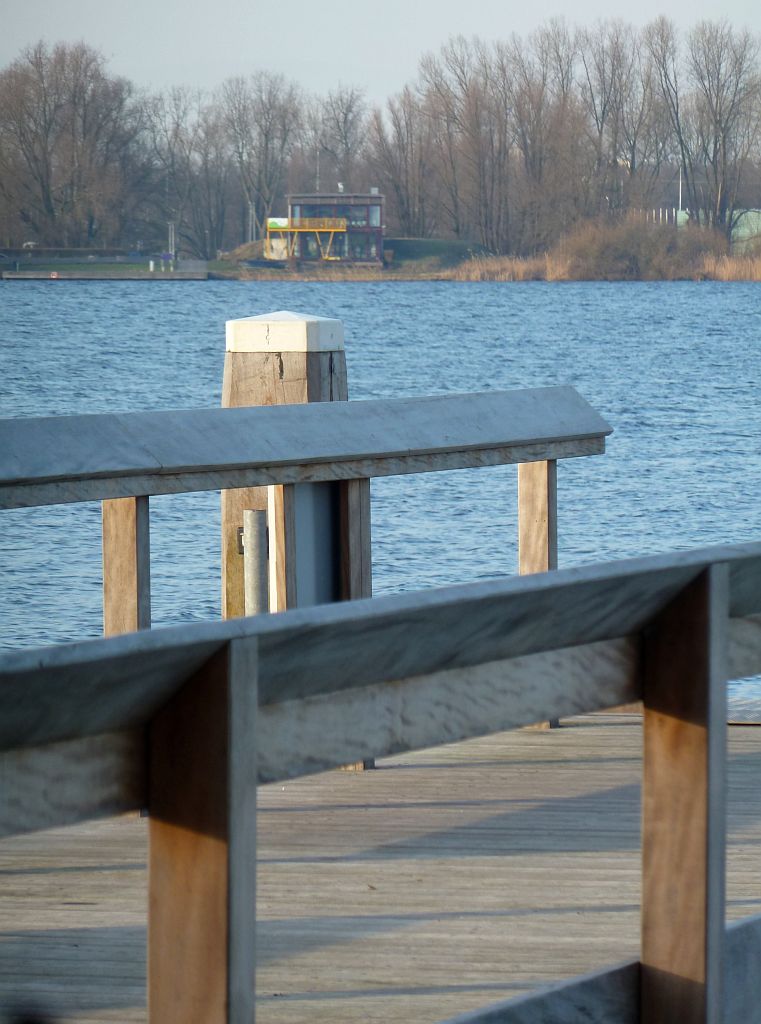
(674,368)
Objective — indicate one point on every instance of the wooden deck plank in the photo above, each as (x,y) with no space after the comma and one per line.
(444,881)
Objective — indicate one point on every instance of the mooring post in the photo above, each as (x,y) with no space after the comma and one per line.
(318,534)
(284,359)
(275,359)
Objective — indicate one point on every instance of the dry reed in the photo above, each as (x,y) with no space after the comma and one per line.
(498,268)
(731,268)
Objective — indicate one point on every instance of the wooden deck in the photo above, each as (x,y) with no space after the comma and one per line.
(441,882)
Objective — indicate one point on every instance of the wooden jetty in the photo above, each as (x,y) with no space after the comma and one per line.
(447,880)
(188,722)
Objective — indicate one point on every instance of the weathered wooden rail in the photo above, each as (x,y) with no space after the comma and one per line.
(187,720)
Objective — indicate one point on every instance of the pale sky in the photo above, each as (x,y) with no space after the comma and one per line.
(317,43)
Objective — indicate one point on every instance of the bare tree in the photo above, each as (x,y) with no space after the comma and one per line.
(715,116)
(173,123)
(548,128)
(603,60)
(723,69)
(442,104)
(402,159)
(645,134)
(497,142)
(68,148)
(263,115)
(343,134)
(213,190)
(194,169)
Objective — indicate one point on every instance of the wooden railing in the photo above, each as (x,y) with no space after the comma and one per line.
(313,224)
(320,455)
(185,721)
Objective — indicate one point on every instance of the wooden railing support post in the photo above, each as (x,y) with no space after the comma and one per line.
(538,524)
(683,805)
(202,856)
(126,565)
(537,516)
(355,539)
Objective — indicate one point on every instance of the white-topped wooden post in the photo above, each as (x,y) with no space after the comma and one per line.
(288,358)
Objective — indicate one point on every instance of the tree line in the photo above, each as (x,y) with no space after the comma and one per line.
(506,144)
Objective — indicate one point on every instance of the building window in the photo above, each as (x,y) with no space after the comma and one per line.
(375,216)
(358,218)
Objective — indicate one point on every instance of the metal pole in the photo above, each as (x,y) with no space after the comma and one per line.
(255,581)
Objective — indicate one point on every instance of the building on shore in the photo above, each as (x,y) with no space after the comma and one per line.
(344,227)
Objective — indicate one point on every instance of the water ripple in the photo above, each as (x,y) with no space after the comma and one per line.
(674,368)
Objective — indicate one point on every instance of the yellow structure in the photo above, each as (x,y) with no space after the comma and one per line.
(283,232)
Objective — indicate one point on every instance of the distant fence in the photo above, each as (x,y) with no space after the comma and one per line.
(666,215)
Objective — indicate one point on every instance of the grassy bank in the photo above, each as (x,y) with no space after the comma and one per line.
(556,267)
(629,251)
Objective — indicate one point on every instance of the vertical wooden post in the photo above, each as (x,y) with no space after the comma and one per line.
(683,805)
(356,556)
(126,565)
(275,359)
(355,540)
(202,856)
(281,514)
(537,517)
(538,525)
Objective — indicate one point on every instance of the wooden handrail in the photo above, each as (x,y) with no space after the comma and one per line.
(184,720)
(96,686)
(58,459)
(123,459)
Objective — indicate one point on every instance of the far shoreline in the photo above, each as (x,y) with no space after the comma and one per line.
(356,277)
